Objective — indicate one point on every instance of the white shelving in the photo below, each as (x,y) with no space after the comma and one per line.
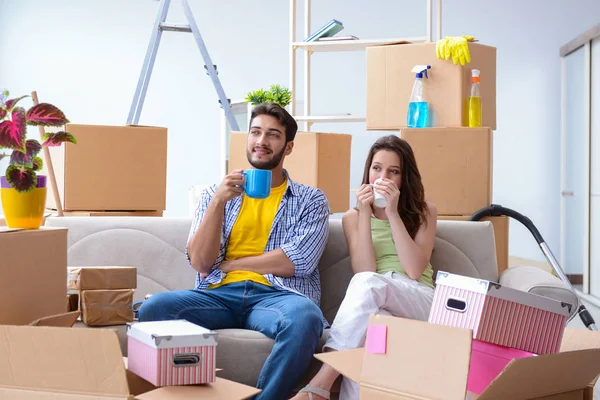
(332,46)
(330,118)
(351,45)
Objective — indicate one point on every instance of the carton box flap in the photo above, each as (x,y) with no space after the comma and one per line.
(220,389)
(579,339)
(62,360)
(534,377)
(347,363)
(65,320)
(417,354)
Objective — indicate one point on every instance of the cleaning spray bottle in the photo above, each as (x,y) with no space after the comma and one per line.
(475,101)
(417,106)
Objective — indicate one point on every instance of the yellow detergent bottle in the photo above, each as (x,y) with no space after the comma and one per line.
(475,101)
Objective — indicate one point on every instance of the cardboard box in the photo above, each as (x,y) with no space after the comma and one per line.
(500,225)
(101,278)
(33,272)
(320,160)
(167,353)
(429,361)
(455,166)
(499,314)
(39,362)
(120,168)
(106,307)
(72,302)
(447,90)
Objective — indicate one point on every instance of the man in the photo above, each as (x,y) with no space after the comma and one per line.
(257,258)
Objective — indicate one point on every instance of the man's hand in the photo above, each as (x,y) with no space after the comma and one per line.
(226,266)
(230,186)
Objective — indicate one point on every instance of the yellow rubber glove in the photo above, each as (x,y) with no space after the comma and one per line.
(456,47)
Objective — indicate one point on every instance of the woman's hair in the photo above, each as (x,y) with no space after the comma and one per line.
(411,205)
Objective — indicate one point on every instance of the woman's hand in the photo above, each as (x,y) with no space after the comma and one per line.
(388,188)
(365,198)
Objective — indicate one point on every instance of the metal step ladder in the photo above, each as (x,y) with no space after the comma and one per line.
(159,26)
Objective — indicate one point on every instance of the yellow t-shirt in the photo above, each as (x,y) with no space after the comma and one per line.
(250,233)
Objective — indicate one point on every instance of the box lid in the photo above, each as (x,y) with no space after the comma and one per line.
(169,334)
(432,353)
(503,292)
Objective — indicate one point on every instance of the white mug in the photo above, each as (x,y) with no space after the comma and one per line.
(380,201)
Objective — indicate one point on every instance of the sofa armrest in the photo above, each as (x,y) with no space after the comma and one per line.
(537,281)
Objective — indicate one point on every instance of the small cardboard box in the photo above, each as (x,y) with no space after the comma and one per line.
(320,160)
(455,166)
(428,361)
(101,278)
(38,362)
(120,168)
(33,272)
(447,90)
(169,353)
(501,229)
(499,314)
(106,307)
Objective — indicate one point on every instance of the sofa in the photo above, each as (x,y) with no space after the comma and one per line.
(156,246)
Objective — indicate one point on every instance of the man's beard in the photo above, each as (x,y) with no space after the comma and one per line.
(267,164)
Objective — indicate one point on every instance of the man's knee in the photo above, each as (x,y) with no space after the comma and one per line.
(305,318)
(159,307)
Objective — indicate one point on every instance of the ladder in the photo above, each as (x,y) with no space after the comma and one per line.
(159,26)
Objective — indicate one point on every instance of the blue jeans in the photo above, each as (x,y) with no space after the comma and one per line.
(292,320)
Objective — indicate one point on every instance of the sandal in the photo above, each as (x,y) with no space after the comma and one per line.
(315,390)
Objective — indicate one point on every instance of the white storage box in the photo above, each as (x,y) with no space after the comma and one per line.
(170,353)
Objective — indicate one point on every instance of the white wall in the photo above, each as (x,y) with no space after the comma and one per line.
(86,57)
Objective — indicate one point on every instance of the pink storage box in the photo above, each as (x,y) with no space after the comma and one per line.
(498,314)
(487,362)
(170,353)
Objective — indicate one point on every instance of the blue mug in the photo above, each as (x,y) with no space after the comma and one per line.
(257,183)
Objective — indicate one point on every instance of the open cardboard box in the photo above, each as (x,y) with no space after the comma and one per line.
(50,360)
(429,361)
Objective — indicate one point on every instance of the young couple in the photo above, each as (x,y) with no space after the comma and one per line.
(257,259)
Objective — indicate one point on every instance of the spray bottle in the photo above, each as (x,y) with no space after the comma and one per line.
(475,101)
(417,106)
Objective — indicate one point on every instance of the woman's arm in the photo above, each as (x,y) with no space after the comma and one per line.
(414,254)
(357,229)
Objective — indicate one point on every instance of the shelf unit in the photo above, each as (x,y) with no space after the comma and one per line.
(331,46)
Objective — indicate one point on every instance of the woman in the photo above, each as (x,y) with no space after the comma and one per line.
(390,249)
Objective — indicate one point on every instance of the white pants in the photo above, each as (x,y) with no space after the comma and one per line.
(372,293)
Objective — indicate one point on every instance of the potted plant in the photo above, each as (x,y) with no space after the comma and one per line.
(275,94)
(23,191)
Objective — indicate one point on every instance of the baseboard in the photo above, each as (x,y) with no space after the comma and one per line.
(576,279)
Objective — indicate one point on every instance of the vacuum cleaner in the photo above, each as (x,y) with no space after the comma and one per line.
(496,210)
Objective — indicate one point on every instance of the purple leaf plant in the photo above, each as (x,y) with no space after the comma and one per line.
(24,162)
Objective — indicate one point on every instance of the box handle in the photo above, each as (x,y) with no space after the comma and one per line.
(456,304)
(186,359)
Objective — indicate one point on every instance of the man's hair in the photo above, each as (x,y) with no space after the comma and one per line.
(278,112)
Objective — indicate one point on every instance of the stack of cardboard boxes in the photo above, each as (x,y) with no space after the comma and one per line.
(112,170)
(104,295)
(455,161)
